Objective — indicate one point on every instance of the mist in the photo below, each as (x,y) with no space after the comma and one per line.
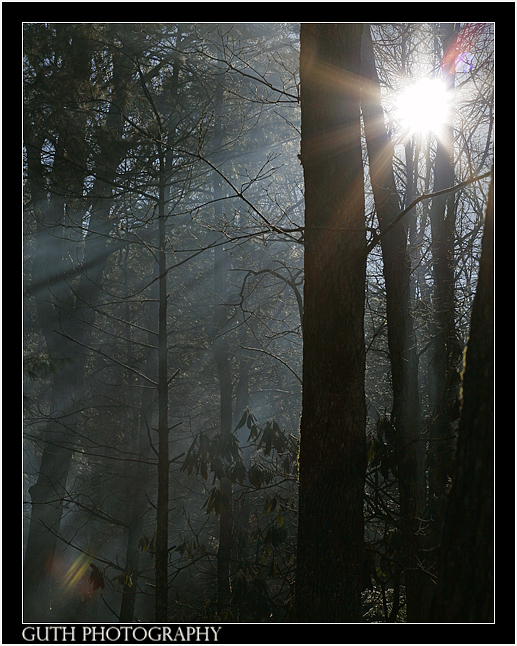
(164,243)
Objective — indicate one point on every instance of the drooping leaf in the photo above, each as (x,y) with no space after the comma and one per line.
(204,446)
(238,472)
(243,420)
(253,432)
(371,451)
(123,579)
(143,543)
(256,476)
(96,577)
(269,504)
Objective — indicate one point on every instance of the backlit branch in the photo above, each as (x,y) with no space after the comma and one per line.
(425,196)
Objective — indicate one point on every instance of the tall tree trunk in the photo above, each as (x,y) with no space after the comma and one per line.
(406,415)
(137,485)
(222,361)
(162,514)
(241,498)
(221,357)
(164,156)
(224,550)
(332,450)
(443,374)
(136,506)
(465,587)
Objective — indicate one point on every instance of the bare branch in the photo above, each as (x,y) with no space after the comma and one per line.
(421,198)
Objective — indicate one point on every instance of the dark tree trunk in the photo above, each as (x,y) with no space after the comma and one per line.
(241,499)
(446,352)
(164,156)
(137,487)
(332,450)
(222,361)
(465,588)
(162,514)
(445,362)
(222,358)
(136,505)
(406,414)
(224,550)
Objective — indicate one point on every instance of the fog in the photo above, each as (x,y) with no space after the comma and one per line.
(163,250)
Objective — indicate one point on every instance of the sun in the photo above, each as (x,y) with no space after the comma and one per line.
(423,107)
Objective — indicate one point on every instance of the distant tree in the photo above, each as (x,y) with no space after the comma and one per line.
(332,431)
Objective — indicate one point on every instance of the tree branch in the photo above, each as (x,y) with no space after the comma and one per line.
(107,356)
(240,194)
(425,196)
(270,354)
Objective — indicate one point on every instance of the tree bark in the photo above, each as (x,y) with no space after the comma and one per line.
(332,450)
(465,587)
(136,505)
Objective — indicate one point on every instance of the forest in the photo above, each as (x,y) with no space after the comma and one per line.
(258,349)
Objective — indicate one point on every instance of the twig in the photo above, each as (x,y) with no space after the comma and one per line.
(274,357)
(107,356)
(240,194)
(149,436)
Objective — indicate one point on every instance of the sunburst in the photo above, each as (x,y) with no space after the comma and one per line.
(423,107)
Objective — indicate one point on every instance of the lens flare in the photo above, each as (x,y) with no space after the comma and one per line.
(75,572)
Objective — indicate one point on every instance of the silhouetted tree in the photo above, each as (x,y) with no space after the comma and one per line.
(465,587)
(332,431)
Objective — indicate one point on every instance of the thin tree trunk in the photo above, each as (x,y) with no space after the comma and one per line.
(222,361)
(137,486)
(162,514)
(406,414)
(443,375)
(224,550)
(164,156)
(241,498)
(332,451)
(137,507)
